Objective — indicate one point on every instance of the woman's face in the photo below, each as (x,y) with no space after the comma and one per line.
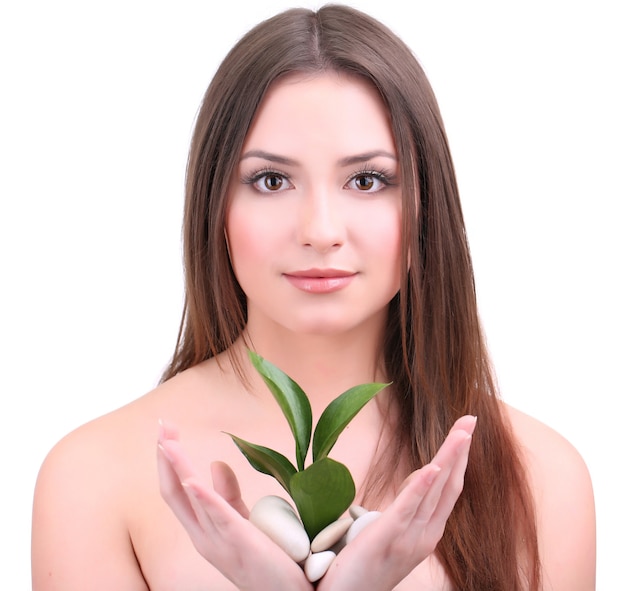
(314,214)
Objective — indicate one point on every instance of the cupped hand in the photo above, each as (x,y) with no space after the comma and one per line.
(215,518)
(408,530)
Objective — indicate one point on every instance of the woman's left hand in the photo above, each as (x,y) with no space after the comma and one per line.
(216,519)
(409,529)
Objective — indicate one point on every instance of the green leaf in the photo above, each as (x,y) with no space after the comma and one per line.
(338,414)
(322,493)
(292,401)
(267,461)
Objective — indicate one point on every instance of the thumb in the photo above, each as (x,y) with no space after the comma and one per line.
(226,485)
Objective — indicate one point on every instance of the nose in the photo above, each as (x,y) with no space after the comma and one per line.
(321,224)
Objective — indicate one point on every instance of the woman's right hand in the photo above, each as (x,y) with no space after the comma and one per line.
(216,520)
(408,531)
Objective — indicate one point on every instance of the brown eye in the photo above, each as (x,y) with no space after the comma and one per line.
(272,182)
(364,182)
(371,180)
(268,181)
(368,181)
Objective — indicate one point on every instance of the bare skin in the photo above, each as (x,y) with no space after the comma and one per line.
(100,521)
(314,235)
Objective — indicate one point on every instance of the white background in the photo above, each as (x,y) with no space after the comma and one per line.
(97,104)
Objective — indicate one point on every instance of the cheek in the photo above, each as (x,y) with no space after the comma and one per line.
(250,238)
(385,248)
(381,231)
(240,239)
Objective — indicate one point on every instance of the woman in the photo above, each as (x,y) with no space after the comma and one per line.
(322,229)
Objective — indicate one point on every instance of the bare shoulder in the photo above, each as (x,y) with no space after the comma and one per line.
(564,502)
(551,458)
(78,524)
(87,488)
(109,447)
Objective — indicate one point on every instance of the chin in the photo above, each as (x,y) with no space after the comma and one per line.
(329,326)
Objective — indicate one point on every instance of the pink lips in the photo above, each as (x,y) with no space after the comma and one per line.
(320,280)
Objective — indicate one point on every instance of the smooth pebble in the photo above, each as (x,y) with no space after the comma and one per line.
(317,564)
(360,524)
(357,511)
(331,534)
(277,519)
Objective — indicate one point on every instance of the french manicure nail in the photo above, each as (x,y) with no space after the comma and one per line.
(432,474)
(165,453)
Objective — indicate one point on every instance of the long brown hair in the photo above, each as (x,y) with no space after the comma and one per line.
(433,350)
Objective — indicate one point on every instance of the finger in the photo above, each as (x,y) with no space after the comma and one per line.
(453,457)
(422,490)
(454,485)
(202,503)
(417,483)
(213,512)
(449,448)
(178,459)
(456,446)
(174,494)
(238,548)
(210,525)
(420,481)
(167,430)
(449,451)
(466,423)
(226,485)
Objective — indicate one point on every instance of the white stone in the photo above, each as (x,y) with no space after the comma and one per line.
(357,511)
(360,524)
(279,521)
(339,545)
(331,534)
(317,564)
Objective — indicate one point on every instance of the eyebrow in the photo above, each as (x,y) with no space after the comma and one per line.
(358,158)
(269,156)
(347,161)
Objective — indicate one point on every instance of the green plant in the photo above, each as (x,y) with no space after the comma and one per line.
(325,489)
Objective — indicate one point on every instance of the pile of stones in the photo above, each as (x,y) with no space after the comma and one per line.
(280,522)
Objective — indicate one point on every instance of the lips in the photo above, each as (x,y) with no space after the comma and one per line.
(320,281)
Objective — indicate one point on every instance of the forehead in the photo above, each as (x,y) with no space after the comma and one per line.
(322,108)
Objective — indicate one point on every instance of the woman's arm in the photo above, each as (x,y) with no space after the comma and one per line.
(79,539)
(565,507)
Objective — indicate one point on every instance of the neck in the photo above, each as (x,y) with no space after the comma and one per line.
(323,365)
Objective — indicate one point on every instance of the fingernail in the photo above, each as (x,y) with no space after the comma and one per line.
(432,474)
(190,488)
(165,453)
